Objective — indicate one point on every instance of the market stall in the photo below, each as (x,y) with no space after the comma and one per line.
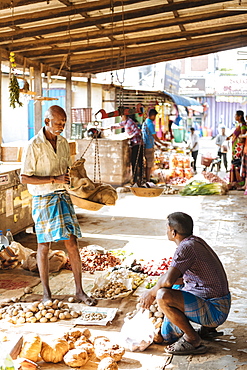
(172,165)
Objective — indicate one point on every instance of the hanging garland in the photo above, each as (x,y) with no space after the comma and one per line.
(14,88)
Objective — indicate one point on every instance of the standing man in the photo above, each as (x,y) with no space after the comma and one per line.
(194,145)
(149,138)
(222,152)
(203,296)
(45,169)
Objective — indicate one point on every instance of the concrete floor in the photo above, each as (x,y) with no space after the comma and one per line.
(138,225)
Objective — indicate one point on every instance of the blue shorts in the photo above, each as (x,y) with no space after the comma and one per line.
(54,217)
(207,312)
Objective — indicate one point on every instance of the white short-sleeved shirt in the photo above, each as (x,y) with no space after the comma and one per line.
(194,139)
(40,159)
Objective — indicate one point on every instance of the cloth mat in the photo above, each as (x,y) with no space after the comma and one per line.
(13,284)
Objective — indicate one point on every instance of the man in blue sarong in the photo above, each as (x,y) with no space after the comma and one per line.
(45,164)
(203,296)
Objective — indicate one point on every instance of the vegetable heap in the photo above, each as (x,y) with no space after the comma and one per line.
(14,88)
(93,261)
(203,188)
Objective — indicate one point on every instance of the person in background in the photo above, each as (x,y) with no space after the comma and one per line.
(223,146)
(236,180)
(130,125)
(202,295)
(150,138)
(45,164)
(194,146)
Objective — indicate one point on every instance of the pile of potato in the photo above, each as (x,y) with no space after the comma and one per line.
(110,290)
(117,282)
(51,311)
(75,348)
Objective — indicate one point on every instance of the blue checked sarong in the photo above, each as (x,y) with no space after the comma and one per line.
(54,217)
(207,312)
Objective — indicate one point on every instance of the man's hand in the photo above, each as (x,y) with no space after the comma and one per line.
(146,300)
(62,179)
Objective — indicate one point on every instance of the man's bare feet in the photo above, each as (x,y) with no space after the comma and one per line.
(89,301)
(46,298)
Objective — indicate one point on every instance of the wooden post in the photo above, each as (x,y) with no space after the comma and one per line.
(68,106)
(37,104)
(1,131)
(89,92)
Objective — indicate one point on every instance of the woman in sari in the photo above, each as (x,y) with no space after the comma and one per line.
(236,180)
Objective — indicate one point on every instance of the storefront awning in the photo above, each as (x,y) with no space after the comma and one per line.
(181,100)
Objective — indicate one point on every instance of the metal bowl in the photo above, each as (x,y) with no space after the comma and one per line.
(85,204)
(146,192)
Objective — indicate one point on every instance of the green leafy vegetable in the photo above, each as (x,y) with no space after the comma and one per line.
(203,188)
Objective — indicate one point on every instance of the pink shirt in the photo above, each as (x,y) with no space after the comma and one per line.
(203,272)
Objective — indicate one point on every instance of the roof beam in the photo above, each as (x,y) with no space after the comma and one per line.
(136,41)
(63,12)
(93,21)
(159,49)
(6,4)
(98,66)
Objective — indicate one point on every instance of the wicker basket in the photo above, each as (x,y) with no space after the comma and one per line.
(147,192)
(85,204)
(206,161)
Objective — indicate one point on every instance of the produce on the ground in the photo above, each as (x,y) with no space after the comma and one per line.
(50,311)
(103,347)
(31,347)
(55,350)
(203,188)
(211,177)
(117,282)
(93,316)
(75,335)
(75,348)
(178,181)
(151,283)
(110,290)
(76,357)
(107,364)
(93,261)
(152,267)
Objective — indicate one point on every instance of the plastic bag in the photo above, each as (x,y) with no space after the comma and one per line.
(138,333)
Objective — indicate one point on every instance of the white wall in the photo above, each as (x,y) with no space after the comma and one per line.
(14,121)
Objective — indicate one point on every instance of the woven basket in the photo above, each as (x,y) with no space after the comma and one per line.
(85,204)
(147,192)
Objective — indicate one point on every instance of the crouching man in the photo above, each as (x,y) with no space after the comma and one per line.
(203,296)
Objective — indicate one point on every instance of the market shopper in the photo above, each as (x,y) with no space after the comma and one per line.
(202,297)
(45,170)
(194,146)
(150,138)
(236,180)
(131,128)
(223,146)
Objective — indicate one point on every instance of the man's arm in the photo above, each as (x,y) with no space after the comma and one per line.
(156,139)
(38,180)
(171,277)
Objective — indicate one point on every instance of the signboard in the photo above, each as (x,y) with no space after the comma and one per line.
(172,76)
(231,85)
(192,86)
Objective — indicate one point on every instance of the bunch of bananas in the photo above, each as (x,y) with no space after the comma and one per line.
(14,91)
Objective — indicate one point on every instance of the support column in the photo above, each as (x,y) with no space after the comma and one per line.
(37,105)
(89,92)
(68,106)
(1,122)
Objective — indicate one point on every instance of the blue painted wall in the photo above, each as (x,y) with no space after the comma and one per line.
(60,94)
